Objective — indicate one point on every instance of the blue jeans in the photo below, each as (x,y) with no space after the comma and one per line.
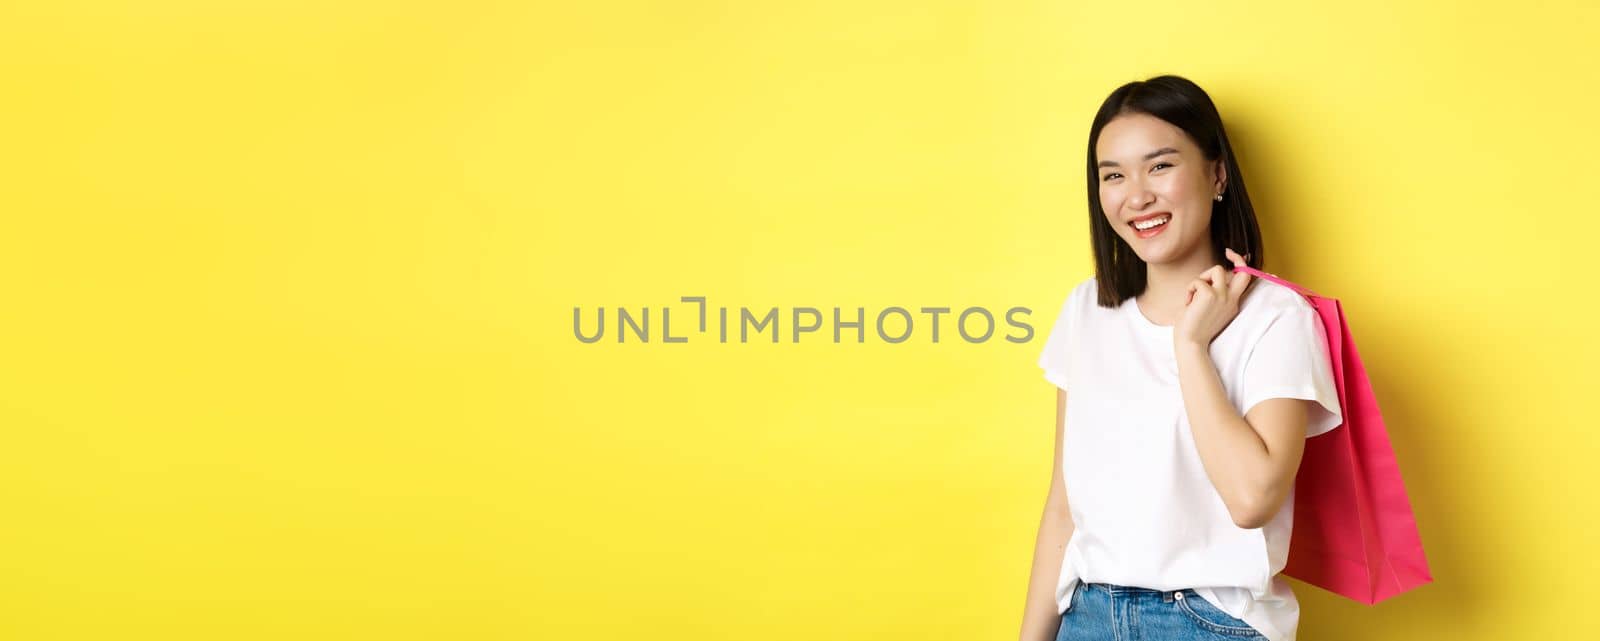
(1106,612)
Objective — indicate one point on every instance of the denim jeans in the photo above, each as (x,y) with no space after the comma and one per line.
(1106,612)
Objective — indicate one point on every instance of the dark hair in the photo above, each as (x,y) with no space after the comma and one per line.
(1120,272)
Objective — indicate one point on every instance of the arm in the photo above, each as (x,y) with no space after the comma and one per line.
(1251,460)
(1039,619)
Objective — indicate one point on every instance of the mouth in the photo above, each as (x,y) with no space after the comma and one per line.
(1150,225)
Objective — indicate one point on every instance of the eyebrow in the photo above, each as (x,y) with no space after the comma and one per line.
(1153,154)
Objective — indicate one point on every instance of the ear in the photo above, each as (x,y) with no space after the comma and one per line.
(1222,176)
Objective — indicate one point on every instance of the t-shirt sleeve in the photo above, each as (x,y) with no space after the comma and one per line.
(1290,360)
(1055,359)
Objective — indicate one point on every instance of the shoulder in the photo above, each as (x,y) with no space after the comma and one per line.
(1084,295)
(1082,291)
(1087,288)
(1269,300)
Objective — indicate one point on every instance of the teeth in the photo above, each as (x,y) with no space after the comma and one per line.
(1150,223)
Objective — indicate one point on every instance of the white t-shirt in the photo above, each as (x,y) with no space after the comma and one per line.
(1144,512)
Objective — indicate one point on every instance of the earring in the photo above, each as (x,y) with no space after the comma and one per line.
(1218,198)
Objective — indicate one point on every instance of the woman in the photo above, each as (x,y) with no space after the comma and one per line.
(1193,390)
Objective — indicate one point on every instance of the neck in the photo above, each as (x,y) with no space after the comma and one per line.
(1167,284)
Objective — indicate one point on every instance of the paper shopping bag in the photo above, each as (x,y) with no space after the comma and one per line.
(1354,531)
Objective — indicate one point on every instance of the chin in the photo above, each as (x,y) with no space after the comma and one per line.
(1157,253)
(1150,255)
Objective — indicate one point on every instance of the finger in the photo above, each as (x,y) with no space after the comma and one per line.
(1237,285)
(1219,280)
(1241,285)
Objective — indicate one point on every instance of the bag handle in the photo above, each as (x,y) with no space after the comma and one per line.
(1261,274)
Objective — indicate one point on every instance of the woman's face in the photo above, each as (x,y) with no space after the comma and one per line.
(1147,167)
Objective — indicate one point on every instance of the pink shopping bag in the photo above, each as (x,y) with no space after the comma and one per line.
(1354,532)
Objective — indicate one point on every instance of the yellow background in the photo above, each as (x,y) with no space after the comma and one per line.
(288,289)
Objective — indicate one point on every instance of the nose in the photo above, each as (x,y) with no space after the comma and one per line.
(1140,196)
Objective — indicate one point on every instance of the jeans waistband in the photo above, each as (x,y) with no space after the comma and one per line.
(1112,588)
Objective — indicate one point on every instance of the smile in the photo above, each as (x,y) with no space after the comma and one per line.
(1150,227)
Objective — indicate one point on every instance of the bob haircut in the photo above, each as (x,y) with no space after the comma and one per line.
(1120,272)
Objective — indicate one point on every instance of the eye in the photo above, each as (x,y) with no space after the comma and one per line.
(1160,165)
(1110,176)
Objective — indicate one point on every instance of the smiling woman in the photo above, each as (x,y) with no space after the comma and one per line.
(1191,401)
(1160,150)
